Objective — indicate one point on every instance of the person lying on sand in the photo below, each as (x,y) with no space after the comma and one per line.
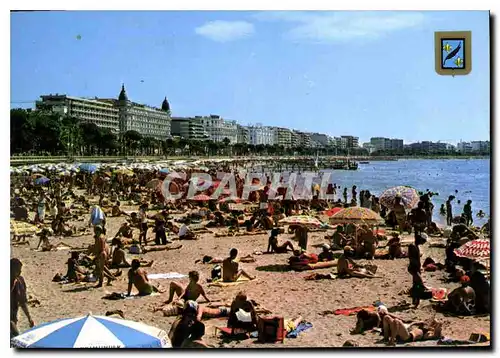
(139,278)
(273,246)
(395,329)
(119,257)
(242,314)
(302,258)
(230,268)
(189,293)
(75,273)
(346,267)
(117,211)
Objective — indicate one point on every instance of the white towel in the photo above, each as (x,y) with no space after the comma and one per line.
(169,275)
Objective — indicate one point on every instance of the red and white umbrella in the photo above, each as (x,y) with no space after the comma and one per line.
(200,197)
(477,250)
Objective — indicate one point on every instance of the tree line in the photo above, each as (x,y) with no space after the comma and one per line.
(47,133)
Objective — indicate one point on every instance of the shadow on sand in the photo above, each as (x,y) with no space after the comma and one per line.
(274,268)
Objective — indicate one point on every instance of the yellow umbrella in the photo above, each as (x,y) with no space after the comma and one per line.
(124,172)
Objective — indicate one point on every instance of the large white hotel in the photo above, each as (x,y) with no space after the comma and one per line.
(119,115)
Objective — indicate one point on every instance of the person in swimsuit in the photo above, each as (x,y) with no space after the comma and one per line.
(346,267)
(395,329)
(101,250)
(273,246)
(326,254)
(196,338)
(231,271)
(241,303)
(182,327)
(119,257)
(18,296)
(75,272)
(189,293)
(139,278)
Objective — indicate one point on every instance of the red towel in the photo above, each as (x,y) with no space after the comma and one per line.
(354,310)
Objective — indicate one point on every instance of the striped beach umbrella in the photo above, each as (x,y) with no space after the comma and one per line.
(92,332)
(477,250)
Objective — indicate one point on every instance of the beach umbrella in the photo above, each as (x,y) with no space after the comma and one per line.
(303,220)
(123,171)
(356,215)
(90,168)
(230,199)
(42,181)
(152,184)
(332,211)
(409,197)
(92,332)
(200,197)
(477,250)
(164,171)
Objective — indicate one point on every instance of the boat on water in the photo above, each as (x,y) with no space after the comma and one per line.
(345,165)
(364,162)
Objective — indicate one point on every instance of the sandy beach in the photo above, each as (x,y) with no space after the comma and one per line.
(285,293)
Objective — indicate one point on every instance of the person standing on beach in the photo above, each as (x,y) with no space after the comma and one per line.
(354,193)
(400,212)
(143,224)
(449,210)
(18,296)
(468,212)
(344,194)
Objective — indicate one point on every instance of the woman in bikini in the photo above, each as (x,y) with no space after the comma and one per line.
(189,293)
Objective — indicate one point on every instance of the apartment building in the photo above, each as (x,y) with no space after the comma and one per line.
(260,135)
(217,128)
(346,142)
(189,128)
(282,137)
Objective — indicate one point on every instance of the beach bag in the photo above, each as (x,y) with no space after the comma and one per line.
(271,329)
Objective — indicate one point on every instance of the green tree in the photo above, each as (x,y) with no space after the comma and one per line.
(132,141)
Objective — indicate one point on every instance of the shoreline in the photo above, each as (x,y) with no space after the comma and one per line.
(26,160)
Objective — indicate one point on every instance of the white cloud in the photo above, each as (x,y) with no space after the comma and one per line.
(224,31)
(341,26)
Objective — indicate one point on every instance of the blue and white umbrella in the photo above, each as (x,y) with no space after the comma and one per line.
(92,332)
(85,167)
(42,181)
(164,171)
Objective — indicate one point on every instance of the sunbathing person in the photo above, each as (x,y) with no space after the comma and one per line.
(182,327)
(125,230)
(346,267)
(189,293)
(395,329)
(462,299)
(75,273)
(367,243)
(326,254)
(395,250)
(101,258)
(365,321)
(139,278)
(185,233)
(230,268)
(116,211)
(273,246)
(339,239)
(119,257)
(195,340)
(242,314)
(302,258)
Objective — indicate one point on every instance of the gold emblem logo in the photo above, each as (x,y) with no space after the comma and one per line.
(453,52)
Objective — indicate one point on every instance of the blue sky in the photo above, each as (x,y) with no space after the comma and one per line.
(341,73)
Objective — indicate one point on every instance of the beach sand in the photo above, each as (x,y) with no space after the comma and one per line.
(284,293)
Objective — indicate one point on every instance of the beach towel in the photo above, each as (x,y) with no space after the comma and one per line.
(226,284)
(439,294)
(303,326)
(22,228)
(166,276)
(354,310)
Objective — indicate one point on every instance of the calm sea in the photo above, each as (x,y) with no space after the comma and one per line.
(470,177)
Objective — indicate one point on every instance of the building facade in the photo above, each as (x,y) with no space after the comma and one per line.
(381,143)
(102,114)
(119,115)
(217,128)
(319,139)
(260,135)
(347,142)
(282,137)
(189,128)
(242,135)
